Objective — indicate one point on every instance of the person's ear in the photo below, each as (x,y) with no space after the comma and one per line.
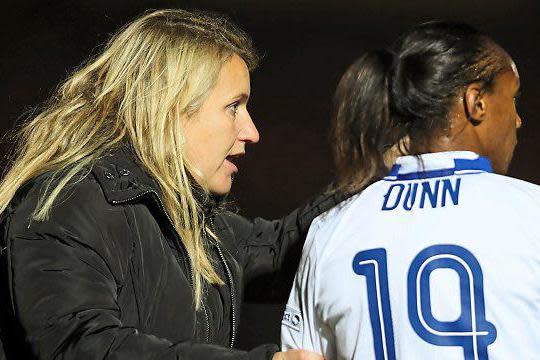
(475,103)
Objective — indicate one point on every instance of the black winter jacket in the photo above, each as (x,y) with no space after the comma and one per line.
(107,277)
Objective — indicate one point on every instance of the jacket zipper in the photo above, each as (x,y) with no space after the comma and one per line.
(207,323)
(190,270)
(231,285)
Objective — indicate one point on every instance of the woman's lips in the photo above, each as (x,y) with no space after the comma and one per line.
(229,162)
(233,159)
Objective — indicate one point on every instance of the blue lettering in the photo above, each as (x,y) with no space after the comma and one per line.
(410,196)
(385,206)
(453,192)
(426,191)
(429,194)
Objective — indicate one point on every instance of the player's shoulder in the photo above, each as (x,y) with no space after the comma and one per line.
(325,233)
(512,188)
(321,228)
(515,183)
(330,217)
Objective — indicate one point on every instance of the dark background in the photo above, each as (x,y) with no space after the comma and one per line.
(306,46)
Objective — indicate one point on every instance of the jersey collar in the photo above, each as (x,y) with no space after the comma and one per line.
(438,164)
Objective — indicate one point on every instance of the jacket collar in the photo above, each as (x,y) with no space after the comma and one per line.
(121,177)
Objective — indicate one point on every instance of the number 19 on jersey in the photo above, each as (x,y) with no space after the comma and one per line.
(471,330)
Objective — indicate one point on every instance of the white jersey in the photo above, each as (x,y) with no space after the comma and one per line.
(440,260)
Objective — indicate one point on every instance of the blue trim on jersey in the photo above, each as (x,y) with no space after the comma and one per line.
(481,164)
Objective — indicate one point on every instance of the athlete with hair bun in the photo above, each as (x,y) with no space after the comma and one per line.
(437,257)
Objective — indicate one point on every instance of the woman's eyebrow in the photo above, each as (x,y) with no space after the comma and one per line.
(241,96)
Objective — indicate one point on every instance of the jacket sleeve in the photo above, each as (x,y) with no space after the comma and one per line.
(271,249)
(64,294)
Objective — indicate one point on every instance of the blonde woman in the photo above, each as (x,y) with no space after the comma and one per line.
(112,247)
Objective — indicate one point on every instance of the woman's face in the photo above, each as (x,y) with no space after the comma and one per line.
(217,134)
(499,132)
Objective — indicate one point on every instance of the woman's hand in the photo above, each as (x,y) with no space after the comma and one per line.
(297,355)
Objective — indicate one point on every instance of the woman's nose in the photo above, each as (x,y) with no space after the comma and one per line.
(249,132)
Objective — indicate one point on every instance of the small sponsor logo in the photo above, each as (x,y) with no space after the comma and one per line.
(292,318)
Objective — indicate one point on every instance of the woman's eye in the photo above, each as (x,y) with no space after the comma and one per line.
(516,99)
(233,108)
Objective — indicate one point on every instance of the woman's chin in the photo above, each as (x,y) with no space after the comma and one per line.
(220,187)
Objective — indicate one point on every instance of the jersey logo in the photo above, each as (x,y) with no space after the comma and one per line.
(292,318)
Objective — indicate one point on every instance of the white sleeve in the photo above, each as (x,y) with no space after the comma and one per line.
(299,326)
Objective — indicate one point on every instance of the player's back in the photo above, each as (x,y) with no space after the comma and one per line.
(439,260)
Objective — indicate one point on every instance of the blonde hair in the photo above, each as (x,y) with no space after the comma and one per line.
(152,73)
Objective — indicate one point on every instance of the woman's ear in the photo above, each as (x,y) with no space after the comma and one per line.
(475,103)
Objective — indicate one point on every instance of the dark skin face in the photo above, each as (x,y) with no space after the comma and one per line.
(485,121)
